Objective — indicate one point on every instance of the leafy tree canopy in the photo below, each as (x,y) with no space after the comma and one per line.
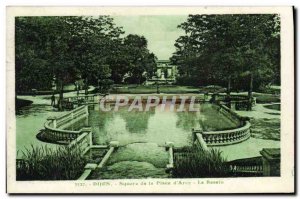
(72,47)
(219,49)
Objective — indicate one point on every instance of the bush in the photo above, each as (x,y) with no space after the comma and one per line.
(187,81)
(196,163)
(42,163)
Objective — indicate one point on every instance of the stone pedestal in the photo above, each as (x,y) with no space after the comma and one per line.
(88,130)
(271,161)
(53,120)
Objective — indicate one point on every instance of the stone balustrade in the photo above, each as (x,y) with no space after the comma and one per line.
(83,99)
(246,166)
(235,102)
(226,137)
(57,129)
(83,142)
(268,164)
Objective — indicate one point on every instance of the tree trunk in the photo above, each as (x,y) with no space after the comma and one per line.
(250,95)
(229,86)
(61,96)
(86,86)
(139,80)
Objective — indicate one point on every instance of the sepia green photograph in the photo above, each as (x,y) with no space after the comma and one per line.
(195,96)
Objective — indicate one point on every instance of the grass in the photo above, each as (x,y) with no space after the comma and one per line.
(147,89)
(42,163)
(196,163)
(273,107)
(177,89)
(268,129)
(266,98)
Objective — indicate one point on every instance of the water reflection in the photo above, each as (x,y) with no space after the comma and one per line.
(160,124)
(98,121)
(137,121)
(186,120)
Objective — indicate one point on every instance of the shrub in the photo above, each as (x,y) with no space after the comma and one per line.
(195,163)
(42,163)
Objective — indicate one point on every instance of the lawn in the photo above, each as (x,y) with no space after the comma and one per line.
(147,89)
(177,89)
(266,98)
(268,129)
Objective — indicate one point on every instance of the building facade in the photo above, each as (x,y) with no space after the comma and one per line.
(165,73)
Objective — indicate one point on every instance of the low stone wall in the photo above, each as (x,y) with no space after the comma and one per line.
(226,137)
(246,167)
(57,128)
(90,167)
(84,142)
(268,164)
(83,99)
(235,102)
(271,161)
(231,115)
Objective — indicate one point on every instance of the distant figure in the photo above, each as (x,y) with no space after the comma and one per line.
(33,92)
(213,98)
(52,100)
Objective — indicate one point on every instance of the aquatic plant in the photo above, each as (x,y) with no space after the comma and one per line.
(194,162)
(43,163)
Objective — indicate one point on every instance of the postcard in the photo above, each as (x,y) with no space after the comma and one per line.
(133,100)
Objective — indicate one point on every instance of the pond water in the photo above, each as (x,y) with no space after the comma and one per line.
(154,126)
(142,135)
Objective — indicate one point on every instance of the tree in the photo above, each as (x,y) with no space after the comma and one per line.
(219,48)
(63,47)
(69,48)
(140,60)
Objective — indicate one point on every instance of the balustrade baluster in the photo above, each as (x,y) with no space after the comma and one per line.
(208,139)
(223,138)
(213,138)
(216,138)
(205,138)
(238,135)
(227,138)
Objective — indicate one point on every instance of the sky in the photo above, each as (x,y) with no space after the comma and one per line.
(160,31)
